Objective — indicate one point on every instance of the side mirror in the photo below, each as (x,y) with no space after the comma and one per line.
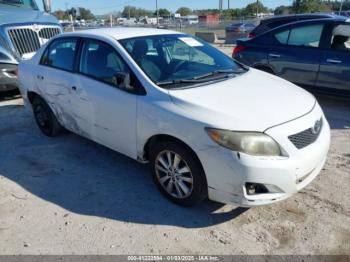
(47,6)
(122,80)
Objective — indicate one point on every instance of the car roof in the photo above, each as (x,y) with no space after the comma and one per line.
(339,19)
(293,16)
(120,33)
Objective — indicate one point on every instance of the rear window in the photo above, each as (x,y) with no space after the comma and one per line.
(309,36)
(60,54)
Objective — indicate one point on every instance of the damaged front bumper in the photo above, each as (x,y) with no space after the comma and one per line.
(245,180)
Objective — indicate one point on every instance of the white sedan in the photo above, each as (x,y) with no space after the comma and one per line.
(208,126)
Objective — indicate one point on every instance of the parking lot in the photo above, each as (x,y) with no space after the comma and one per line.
(68,195)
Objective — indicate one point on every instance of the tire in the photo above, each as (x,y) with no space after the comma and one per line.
(45,118)
(188,188)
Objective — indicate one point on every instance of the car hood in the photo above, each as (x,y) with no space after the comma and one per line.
(254,101)
(15,15)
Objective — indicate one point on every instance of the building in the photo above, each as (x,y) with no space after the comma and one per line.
(211,19)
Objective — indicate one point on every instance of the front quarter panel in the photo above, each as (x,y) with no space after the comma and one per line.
(158,115)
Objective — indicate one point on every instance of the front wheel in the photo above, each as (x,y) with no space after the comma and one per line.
(178,173)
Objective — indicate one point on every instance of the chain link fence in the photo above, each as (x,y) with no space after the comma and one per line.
(211,31)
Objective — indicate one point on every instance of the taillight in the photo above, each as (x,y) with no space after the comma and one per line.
(251,35)
(237,50)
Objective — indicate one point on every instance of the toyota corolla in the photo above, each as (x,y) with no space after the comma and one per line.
(208,126)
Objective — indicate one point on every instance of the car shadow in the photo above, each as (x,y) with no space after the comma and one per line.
(336,110)
(86,178)
(9,95)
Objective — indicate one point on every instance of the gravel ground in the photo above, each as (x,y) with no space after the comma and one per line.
(68,195)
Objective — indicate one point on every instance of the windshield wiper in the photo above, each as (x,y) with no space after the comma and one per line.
(216,72)
(178,81)
(203,78)
(192,80)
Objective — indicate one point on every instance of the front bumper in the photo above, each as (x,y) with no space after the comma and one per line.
(8,79)
(228,172)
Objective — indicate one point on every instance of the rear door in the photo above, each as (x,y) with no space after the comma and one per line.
(58,84)
(335,61)
(297,57)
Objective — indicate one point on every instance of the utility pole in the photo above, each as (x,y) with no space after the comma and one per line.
(220,7)
(257,8)
(228,4)
(341,6)
(157,10)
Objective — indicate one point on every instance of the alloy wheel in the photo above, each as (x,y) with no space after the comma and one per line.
(174,174)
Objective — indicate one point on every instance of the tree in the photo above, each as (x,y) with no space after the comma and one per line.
(283,10)
(311,6)
(251,9)
(184,11)
(61,15)
(232,13)
(335,6)
(133,11)
(85,14)
(164,12)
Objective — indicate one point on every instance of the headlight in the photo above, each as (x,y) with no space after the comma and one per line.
(5,56)
(252,143)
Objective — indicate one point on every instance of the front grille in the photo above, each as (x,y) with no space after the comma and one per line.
(306,137)
(25,40)
(49,32)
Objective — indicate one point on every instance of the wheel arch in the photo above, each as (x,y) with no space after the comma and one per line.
(165,137)
(265,67)
(31,96)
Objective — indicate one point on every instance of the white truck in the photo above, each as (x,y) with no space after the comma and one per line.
(23,30)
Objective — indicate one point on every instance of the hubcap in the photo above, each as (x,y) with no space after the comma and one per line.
(174,174)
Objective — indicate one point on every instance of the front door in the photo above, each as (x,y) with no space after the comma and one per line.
(335,62)
(102,77)
(297,58)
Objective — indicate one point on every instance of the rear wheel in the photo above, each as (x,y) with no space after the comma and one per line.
(178,173)
(45,118)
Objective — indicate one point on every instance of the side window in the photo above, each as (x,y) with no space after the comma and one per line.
(282,37)
(100,61)
(60,54)
(301,36)
(306,36)
(341,38)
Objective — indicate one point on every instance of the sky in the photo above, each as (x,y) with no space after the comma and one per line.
(106,6)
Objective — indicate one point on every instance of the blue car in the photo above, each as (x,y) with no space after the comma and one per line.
(314,54)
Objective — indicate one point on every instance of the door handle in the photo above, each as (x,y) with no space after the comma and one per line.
(40,77)
(274,55)
(334,61)
(74,88)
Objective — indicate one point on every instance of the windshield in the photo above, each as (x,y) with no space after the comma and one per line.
(177,60)
(29,4)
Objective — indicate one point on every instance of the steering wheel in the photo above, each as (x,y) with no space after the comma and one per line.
(179,65)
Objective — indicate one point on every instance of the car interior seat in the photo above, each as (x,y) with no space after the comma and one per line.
(97,64)
(339,42)
(64,58)
(139,53)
